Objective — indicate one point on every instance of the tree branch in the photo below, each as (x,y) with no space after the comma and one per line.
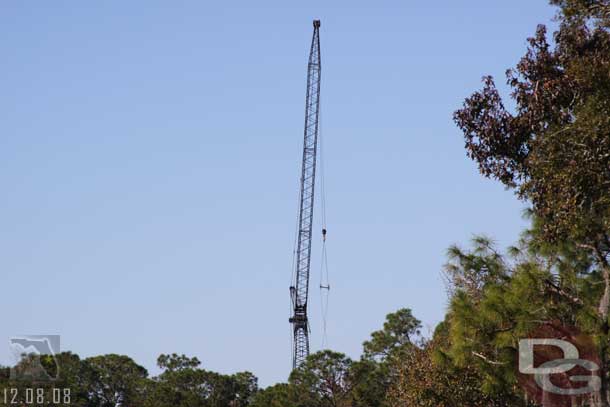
(554,288)
(486,359)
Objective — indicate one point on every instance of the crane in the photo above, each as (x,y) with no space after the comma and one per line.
(299,291)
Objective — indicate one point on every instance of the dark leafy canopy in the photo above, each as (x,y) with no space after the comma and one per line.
(174,362)
(370,383)
(582,9)
(555,148)
(279,395)
(554,151)
(183,383)
(114,380)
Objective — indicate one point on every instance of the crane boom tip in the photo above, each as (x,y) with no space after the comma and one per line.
(316,23)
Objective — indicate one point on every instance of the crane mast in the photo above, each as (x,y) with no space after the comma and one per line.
(299,291)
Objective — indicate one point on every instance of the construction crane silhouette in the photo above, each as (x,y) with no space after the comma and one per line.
(299,291)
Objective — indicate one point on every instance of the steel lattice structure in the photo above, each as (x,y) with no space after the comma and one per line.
(299,291)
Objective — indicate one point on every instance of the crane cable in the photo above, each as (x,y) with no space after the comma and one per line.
(324,275)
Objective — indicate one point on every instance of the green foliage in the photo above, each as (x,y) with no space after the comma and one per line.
(323,380)
(543,283)
(183,383)
(397,333)
(330,379)
(554,152)
(113,380)
(598,10)
(470,272)
(76,375)
(370,381)
(174,362)
(279,395)
(427,377)
(554,149)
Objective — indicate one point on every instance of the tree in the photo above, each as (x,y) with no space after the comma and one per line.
(427,377)
(245,387)
(599,10)
(398,331)
(174,362)
(76,375)
(279,395)
(382,354)
(114,380)
(537,284)
(323,380)
(470,272)
(183,384)
(369,383)
(178,384)
(554,149)
(117,381)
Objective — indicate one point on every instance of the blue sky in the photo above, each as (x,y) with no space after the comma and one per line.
(149,163)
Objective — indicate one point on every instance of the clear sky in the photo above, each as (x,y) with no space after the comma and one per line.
(150,154)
